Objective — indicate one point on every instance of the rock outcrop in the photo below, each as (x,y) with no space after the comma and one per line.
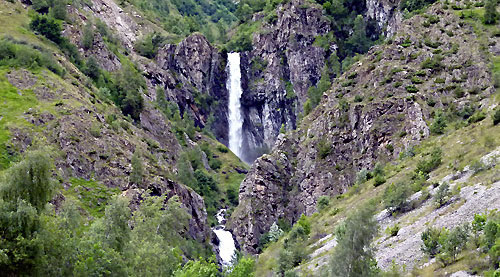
(376,110)
(277,73)
(193,75)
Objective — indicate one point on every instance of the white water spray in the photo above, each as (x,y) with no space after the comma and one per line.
(227,248)
(235,117)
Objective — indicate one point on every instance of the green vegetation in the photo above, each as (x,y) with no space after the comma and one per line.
(137,174)
(395,197)
(353,255)
(490,12)
(20,54)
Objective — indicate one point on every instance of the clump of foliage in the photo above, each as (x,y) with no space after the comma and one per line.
(323,202)
(439,124)
(496,116)
(20,54)
(395,197)
(442,194)
(430,241)
(137,174)
(353,255)
(426,166)
(293,251)
(490,12)
(148,45)
(324,148)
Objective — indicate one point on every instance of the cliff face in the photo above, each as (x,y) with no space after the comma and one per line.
(376,110)
(285,62)
(193,75)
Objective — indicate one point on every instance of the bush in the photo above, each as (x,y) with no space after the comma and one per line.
(379,180)
(438,125)
(490,12)
(323,202)
(479,116)
(454,241)
(393,230)
(353,255)
(411,89)
(496,116)
(47,26)
(433,62)
(428,165)
(430,241)
(395,197)
(324,148)
(442,194)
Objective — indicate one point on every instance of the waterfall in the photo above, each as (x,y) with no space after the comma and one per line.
(233,85)
(227,248)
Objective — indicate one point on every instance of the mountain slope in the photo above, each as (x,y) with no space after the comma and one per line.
(385,104)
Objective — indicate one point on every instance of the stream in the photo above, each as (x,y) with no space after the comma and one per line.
(227,247)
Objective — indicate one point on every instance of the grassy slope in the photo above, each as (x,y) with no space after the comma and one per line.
(461,147)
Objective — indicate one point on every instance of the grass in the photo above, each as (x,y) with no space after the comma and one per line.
(12,107)
(92,195)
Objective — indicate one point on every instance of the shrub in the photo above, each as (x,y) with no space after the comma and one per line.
(214,163)
(438,124)
(379,180)
(353,255)
(393,230)
(433,62)
(358,98)
(430,241)
(428,165)
(324,148)
(442,194)
(47,26)
(479,116)
(88,36)
(323,202)
(137,174)
(454,242)
(395,197)
(496,116)
(411,89)
(490,12)
(413,5)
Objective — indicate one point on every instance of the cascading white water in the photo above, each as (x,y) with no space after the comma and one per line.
(227,248)
(233,85)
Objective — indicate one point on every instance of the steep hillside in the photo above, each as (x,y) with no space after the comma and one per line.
(436,69)
(82,106)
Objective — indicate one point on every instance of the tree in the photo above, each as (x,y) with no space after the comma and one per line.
(23,197)
(438,125)
(47,26)
(30,180)
(137,174)
(395,197)
(128,94)
(58,10)
(353,255)
(454,241)
(243,268)
(88,36)
(490,12)
(441,196)
(199,268)
(92,68)
(430,241)
(358,42)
